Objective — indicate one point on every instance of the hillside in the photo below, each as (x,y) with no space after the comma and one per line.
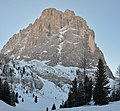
(50,84)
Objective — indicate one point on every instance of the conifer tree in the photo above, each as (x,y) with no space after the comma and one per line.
(62,105)
(16,98)
(23,70)
(1,90)
(6,93)
(12,103)
(33,95)
(80,95)
(74,92)
(71,101)
(53,107)
(72,96)
(47,109)
(101,90)
(22,99)
(36,99)
(115,96)
(88,89)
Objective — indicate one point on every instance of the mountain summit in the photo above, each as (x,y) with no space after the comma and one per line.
(58,38)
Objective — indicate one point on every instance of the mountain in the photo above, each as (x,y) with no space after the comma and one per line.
(61,38)
(43,59)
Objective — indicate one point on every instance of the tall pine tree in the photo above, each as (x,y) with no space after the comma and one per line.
(101,90)
(72,96)
(80,95)
(74,92)
(88,89)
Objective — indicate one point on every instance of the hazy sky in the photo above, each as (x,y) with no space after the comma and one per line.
(103,16)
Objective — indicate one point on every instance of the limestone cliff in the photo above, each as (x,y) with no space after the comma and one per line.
(57,37)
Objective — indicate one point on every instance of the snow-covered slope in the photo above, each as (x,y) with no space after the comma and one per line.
(111,107)
(6,107)
(50,84)
(115,106)
(46,97)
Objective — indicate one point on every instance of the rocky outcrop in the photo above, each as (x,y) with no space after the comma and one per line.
(57,37)
(4,59)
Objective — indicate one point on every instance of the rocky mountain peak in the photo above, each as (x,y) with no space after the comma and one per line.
(52,20)
(57,37)
(69,13)
(49,12)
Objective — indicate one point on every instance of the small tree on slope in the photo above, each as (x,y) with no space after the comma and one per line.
(101,90)
(36,99)
(53,107)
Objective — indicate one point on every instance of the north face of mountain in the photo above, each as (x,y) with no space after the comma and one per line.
(59,38)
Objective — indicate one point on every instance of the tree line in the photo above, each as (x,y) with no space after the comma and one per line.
(6,95)
(83,92)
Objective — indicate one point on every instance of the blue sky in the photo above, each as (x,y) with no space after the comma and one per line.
(102,16)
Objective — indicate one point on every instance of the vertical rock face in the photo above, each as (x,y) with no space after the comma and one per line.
(92,42)
(57,37)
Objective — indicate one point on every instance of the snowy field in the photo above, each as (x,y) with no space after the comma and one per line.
(115,106)
(111,107)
